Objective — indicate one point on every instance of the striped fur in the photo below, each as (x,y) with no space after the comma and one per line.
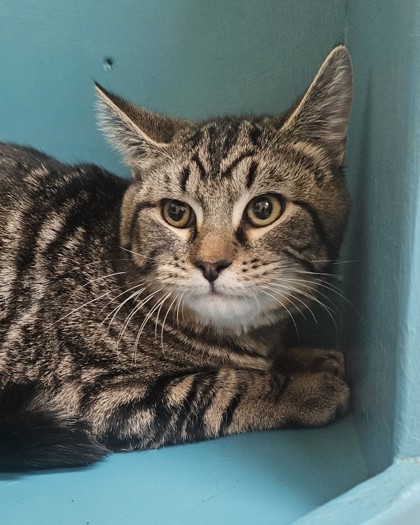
(111,337)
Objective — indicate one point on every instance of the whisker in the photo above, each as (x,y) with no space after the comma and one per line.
(118,308)
(141,283)
(133,313)
(285,307)
(306,282)
(90,282)
(178,306)
(256,300)
(148,316)
(137,254)
(316,274)
(324,284)
(157,315)
(182,309)
(176,310)
(312,297)
(287,291)
(82,306)
(333,261)
(163,324)
(323,305)
(337,291)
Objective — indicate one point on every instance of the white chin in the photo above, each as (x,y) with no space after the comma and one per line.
(226,312)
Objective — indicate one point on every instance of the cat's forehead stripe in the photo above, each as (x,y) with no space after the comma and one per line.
(231,137)
(213,150)
(195,139)
(215,141)
(184,178)
(196,159)
(251,174)
(228,171)
(254,135)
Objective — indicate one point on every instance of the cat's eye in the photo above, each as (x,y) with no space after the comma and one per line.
(178,214)
(264,210)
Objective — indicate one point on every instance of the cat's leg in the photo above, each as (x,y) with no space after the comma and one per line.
(208,404)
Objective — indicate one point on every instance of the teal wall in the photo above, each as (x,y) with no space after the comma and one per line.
(191,58)
(384,235)
(407,428)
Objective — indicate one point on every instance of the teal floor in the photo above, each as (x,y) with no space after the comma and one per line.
(261,478)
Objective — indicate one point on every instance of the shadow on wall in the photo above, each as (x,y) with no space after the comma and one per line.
(371,359)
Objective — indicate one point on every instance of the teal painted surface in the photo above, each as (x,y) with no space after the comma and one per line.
(407,428)
(391,498)
(269,478)
(383,240)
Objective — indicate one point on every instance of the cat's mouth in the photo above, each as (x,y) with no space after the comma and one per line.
(233,310)
(217,293)
(214,291)
(227,313)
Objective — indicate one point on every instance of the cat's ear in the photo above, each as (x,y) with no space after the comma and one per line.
(142,136)
(322,115)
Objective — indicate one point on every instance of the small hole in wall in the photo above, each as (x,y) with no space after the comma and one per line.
(108,63)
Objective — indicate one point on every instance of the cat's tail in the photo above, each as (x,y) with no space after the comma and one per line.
(36,436)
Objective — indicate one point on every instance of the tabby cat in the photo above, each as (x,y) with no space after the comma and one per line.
(139,314)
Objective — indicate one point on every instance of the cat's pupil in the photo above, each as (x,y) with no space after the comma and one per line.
(176,211)
(263,209)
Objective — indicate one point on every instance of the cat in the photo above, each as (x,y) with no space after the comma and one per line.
(140,314)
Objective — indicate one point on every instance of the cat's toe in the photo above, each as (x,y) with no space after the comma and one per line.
(316,360)
(331,361)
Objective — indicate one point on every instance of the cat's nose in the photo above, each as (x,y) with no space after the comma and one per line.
(211,270)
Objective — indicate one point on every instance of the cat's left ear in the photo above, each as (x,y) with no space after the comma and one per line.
(142,136)
(322,115)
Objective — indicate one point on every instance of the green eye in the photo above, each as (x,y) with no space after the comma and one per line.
(264,210)
(178,214)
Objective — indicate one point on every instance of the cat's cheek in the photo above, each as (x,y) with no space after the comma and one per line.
(175,234)
(164,239)
(273,230)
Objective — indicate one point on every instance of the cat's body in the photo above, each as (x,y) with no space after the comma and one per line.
(134,315)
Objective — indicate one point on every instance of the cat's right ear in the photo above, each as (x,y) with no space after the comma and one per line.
(140,135)
(323,113)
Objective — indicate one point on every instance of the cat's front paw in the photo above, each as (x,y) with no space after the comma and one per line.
(316,399)
(313,360)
